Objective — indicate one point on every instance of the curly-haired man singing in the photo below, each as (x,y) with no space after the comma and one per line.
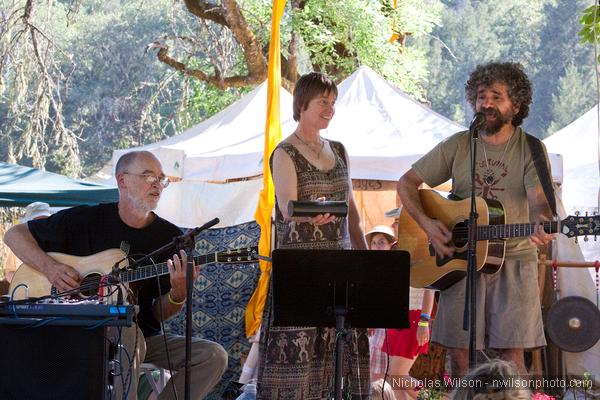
(508,312)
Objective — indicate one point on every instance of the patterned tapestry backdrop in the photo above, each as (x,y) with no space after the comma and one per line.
(221,293)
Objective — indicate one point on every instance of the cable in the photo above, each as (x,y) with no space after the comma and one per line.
(387,364)
(162,328)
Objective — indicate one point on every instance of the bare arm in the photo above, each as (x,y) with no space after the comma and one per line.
(439,235)
(426,307)
(357,235)
(427,303)
(286,183)
(23,244)
(538,211)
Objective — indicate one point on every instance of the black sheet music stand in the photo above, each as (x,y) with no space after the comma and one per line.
(341,289)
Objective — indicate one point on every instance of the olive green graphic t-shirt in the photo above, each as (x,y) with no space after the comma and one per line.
(504,175)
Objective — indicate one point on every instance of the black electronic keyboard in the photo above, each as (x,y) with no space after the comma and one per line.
(86,314)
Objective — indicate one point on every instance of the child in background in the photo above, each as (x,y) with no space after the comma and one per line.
(402,345)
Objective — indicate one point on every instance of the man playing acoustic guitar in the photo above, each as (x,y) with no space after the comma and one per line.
(508,306)
(87,230)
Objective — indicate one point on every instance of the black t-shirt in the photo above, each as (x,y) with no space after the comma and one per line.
(87,230)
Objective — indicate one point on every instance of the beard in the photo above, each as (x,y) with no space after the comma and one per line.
(140,203)
(493,127)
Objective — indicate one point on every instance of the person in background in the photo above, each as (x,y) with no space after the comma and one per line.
(401,345)
(298,362)
(37,210)
(381,390)
(495,379)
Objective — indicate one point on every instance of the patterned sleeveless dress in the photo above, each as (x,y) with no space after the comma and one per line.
(298,362)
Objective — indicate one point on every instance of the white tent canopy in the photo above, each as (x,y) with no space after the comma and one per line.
(578,143)
(383,129)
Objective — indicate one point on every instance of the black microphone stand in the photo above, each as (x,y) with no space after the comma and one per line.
(187,241)
(470,314)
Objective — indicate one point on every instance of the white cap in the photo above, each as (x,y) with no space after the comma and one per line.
(384,229)
(36,210)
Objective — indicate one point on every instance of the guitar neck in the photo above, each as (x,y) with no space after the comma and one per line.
(494,232)
(149,271)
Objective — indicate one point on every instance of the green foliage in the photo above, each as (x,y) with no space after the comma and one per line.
(326,26)
(207,100)
(590,19)
(541,35)
(572,97)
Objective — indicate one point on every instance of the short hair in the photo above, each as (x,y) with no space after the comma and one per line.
(127,160)
(308,87)
(380,386)
(512,75)
(482,378)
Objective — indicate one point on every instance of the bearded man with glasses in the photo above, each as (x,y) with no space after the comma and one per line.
(129,223)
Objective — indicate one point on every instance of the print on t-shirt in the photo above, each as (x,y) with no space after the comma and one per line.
(488,177)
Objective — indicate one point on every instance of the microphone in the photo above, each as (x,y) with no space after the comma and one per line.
(477,122)
(207,225)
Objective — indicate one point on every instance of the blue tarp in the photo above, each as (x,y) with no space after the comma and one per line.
(21,185)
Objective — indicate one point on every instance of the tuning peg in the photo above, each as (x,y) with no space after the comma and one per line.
(586,213)
(577,213)
(585,238)
(576,239)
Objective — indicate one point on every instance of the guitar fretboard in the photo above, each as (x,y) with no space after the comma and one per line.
(149,271)
(494,232)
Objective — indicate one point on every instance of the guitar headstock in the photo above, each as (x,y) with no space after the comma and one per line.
(581,225)
(237,256)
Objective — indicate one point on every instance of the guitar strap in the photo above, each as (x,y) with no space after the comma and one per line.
(541,166)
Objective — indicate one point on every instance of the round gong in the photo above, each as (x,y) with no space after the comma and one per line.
(573,324)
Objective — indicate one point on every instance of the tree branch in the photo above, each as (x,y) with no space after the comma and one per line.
(228,15)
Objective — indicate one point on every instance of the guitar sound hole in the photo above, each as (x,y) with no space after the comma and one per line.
(460,234)
(89,285)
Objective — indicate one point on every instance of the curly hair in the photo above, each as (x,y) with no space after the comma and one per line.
(308,87)
(512,75)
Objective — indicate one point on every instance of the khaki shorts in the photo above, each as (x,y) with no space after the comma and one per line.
(509,314)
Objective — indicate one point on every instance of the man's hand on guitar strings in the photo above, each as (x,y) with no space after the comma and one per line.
(63,277)
(439,237)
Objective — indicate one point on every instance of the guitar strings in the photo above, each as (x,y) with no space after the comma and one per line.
(532,225)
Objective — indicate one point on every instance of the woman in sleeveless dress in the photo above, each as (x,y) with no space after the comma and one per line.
(298,362)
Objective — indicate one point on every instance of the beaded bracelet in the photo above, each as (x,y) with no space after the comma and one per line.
(172,301)
(423,324)
(426,317)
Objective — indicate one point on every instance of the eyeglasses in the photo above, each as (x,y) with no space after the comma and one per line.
(152,179)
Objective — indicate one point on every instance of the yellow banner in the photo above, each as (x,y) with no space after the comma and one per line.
(267,194)
(395,35)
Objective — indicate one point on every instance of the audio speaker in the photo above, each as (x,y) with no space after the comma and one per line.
(53,362)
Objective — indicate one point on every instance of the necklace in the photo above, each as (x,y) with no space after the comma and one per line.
(488,176)
(318,153)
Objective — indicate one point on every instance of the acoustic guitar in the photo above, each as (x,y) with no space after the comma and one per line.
(435,272)
(92,269)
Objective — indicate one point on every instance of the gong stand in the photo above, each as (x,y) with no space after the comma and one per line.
(573,322)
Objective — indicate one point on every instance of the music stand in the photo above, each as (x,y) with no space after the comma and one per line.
(341,289)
